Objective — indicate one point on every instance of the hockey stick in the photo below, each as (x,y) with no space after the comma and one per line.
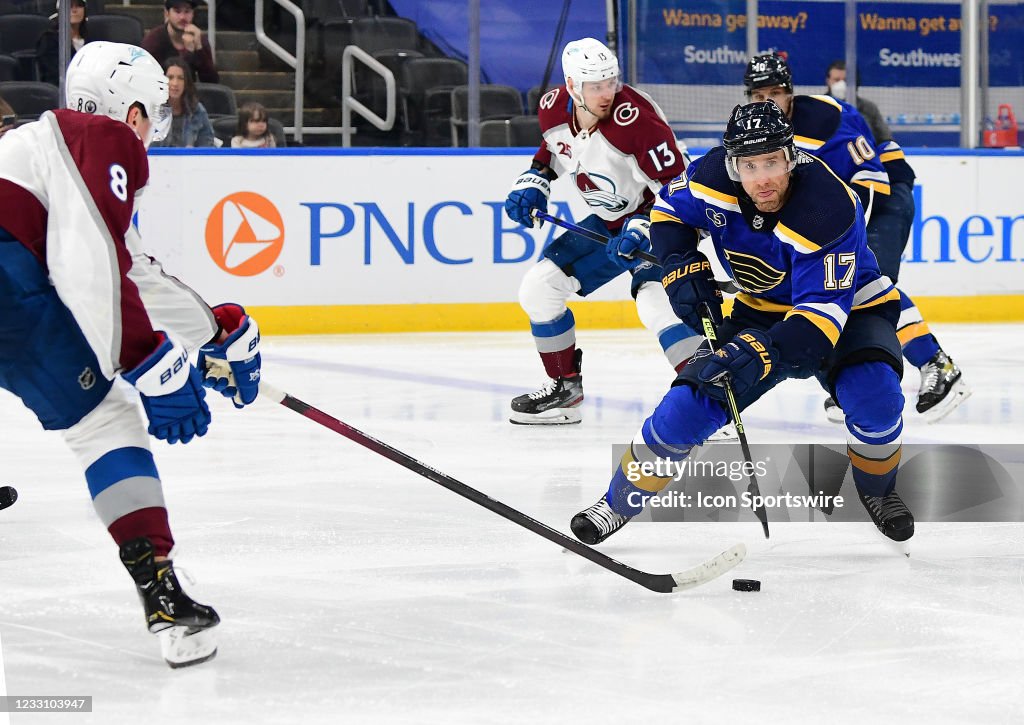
(592,236)
(734,411)
(726,286)
(663,583)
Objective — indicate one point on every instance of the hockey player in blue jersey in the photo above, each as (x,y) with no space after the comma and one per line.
(877,170)
(812,302)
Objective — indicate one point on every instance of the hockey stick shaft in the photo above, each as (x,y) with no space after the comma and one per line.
(734,410)
(662,583)
(725,286)
(592,236)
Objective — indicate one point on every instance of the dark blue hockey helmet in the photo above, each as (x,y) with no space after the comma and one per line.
(765,71)
(755,129)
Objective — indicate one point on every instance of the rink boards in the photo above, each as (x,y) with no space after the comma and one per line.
(347,240)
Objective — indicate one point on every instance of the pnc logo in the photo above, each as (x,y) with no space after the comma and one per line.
(244,234)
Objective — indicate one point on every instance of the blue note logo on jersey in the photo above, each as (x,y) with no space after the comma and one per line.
(599,190)
(717,218)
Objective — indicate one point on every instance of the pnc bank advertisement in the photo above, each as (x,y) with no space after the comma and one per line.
(359,228)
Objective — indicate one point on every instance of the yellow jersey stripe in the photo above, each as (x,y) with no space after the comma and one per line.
(801,243)
(657,215)
(892,156)
(827,99)
(807,142)
(828,327)
(711,196)
(878,186)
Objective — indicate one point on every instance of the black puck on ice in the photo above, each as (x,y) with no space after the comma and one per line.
(8,495)
(746,585)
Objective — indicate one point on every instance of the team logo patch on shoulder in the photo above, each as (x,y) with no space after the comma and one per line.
(548,101)
(717,218)
(626,114)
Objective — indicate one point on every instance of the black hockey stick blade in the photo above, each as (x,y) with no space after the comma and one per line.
(663,583)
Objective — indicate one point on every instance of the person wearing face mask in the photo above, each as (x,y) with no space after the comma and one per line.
(90,326)
(835,79)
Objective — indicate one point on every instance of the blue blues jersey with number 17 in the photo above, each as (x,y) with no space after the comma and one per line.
(808,263)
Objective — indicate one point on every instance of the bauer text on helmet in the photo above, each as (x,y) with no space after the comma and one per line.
(760,152)
(109,78)
(589,61)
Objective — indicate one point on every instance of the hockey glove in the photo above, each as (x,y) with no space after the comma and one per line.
(529,193)
(635,236)
(172,393)
(688,282)
(232,367)
(745,361)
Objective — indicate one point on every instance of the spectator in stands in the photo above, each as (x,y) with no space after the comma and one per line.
(8,118)
(190,123)
(253,128)
(835,79)
(48,45)
(179,36)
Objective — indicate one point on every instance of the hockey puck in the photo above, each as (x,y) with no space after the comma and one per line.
(8,495)
(746,585)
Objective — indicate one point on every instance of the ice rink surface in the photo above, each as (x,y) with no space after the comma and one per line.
(352,590)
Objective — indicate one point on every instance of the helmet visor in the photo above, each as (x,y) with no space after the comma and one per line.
(160,120)
(752,169)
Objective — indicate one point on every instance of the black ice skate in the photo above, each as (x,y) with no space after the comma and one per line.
(595,524)
(942,388)
(182,624)
(890,514)
(557,403)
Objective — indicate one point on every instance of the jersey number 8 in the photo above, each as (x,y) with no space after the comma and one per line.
(119,181)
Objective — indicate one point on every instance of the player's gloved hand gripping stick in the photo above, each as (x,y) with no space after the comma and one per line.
(730,398)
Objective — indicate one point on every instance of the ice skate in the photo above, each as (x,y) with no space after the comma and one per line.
(595,524)
(726,434)
(942,388)
(833,412)
(890,515)
(183,626)
(557,403)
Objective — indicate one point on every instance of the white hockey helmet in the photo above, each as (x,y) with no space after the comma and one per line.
(588,60)
(108,78)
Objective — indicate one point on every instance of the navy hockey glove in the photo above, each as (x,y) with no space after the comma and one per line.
(635,236)
(746,360)
(529,193)
(232,367)
(688,282)
(172,393)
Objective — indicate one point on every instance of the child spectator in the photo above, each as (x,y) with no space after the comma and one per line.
(253,130)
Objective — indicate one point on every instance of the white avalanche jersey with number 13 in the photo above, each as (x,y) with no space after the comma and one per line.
(619,165)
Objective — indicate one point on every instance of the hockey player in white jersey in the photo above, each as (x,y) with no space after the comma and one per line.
(614,146)
(89,324)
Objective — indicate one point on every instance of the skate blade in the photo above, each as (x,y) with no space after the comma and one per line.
(726,434)
(187,646)
(956,395)
(555,416)
(896,547)
(835,415)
